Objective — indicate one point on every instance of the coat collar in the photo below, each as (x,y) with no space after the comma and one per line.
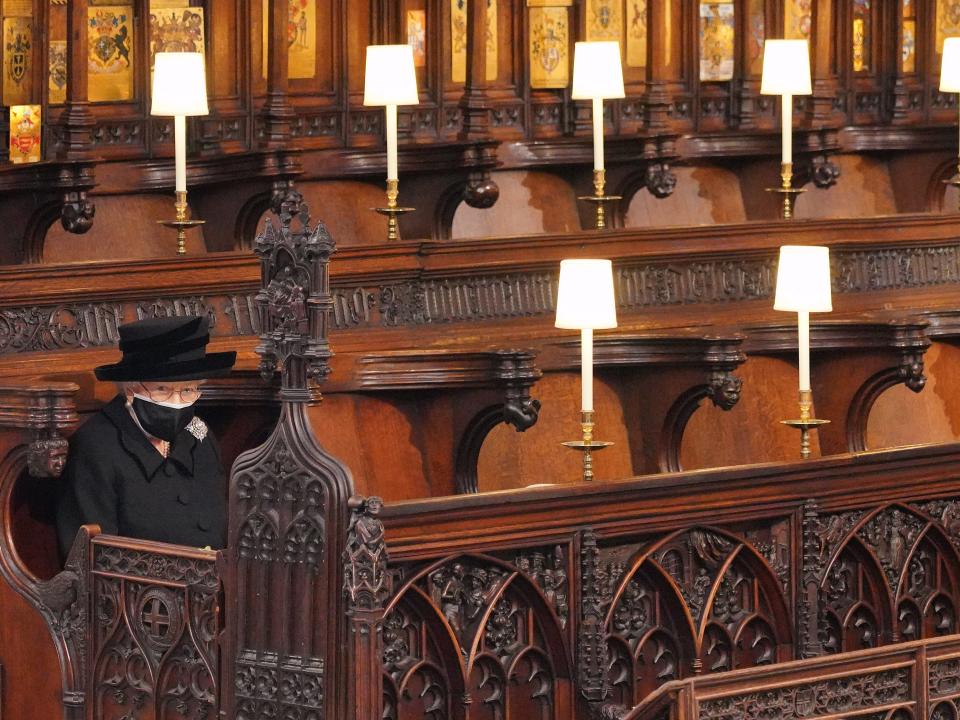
(136,444)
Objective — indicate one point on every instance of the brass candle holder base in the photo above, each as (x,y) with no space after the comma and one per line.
(787,190)
(805,423)
(392,210)
(181,224)
(599,198)
(587,445)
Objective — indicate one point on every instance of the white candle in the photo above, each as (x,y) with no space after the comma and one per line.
(586,370)
(598,133)
(787,154)
(392,173)
(803,331)
(180,150)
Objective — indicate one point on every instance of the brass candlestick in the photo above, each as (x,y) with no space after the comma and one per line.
(805,423)
(181,224)
(787,190)
(392,210)
(587,445)
(599,198)
(955,181)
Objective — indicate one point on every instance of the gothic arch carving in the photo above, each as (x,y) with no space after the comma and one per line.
(717,602)
(496,620)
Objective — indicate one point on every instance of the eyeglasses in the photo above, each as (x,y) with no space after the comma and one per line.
(165,393)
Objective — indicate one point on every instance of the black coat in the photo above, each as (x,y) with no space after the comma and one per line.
(116,479)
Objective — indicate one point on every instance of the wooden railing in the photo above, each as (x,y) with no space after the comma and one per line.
(596,595)
(913,680)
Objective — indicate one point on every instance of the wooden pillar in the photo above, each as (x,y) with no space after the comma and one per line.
(665,38)
(823,70)
(277,114)
(77,120)
(476,111)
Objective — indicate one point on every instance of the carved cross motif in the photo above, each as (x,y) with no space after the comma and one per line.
(156,619)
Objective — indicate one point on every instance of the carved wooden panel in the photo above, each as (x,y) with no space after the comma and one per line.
(699,600)
(886,575)
(485,630)
(155,624)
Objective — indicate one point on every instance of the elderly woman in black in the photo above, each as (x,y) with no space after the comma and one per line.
(145,466)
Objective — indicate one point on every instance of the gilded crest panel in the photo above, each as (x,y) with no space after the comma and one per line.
(798,19)
(109,53)
(57,76)
(417,36)
(636,33)
(301,39)
(25,133)
(716,41)
(605,20)
(549,47)
(17,60)
(948,21)
(175,29)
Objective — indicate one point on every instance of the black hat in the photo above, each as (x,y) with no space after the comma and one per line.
(166,348)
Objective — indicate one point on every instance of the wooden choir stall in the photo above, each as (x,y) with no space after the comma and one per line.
(407,537)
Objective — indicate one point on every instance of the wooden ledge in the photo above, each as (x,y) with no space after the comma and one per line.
(443,369)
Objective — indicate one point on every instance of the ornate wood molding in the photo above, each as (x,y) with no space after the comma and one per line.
(155,621)
(288,500)
(366,588)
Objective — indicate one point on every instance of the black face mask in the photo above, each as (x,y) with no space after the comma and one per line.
(162,421)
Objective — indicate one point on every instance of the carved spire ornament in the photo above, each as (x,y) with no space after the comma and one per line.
(288,501)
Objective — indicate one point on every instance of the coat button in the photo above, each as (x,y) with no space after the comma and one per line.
(183,498)
(203,525)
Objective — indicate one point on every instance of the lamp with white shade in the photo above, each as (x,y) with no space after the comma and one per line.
(390,80)
(586,302)
(803,287)
(598,76)
(950,80)
(786,72)
(179,90)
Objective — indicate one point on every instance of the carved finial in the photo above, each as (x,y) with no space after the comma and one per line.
(295,302)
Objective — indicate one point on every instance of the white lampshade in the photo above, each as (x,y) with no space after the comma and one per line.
(597,72)
(390,76)
(786,68)
(586,297)
(179,84)
(803,279)
(950,66)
